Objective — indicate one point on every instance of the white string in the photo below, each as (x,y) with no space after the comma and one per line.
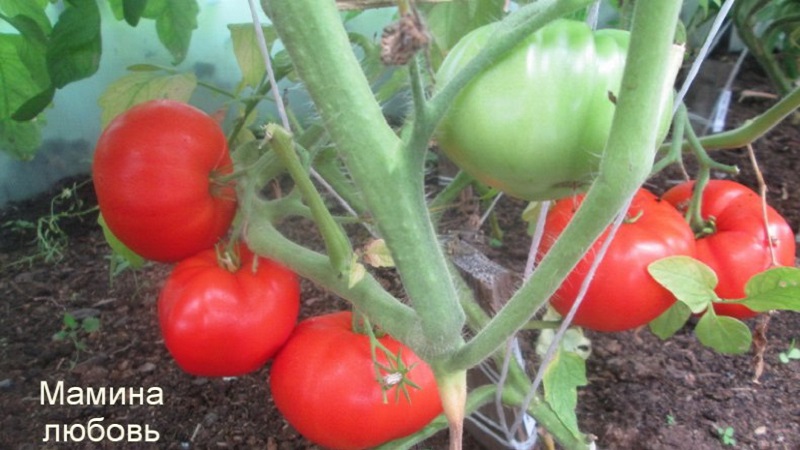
(701,56)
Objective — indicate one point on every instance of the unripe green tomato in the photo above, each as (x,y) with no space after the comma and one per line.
(535,123)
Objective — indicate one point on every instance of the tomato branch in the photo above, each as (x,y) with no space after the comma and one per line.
(336,241)
(368,295)
(752,129)
(392,186)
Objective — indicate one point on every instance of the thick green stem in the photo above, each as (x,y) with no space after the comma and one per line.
(625,165)
(752,129)
(315,38)
(336,241)
(368,295)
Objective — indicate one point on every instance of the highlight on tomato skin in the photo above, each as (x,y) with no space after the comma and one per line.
(739,246)
(221,321)
(159,173)
(324,383)
(622,295)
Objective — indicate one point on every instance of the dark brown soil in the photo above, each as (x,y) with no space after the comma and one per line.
(643,393)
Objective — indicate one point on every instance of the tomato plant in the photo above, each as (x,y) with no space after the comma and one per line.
(158,171)
(734,241)
(535,124)
(328,387)
(221,320)
(622,295)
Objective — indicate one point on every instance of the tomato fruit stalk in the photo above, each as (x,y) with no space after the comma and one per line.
(737,245)
(217,321)
(324,383)
(622,295)
(157,172)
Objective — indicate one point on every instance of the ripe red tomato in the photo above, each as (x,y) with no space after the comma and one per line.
(155,169)
(739,248)
(324,383)
(622,295)
(220,322)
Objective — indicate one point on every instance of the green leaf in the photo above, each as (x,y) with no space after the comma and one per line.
(672,320)
(35,105)
(139,87)
(90,324)
(248,55)
(20,139)
(566,372)
(70,322)
(132,11)
(18,79)
(60,336)
(34,10)
(75,45)
(722,333)
(777,288)
(689,280)
(134,260)
(174,26)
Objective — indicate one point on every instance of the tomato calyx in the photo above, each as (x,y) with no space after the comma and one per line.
(634,218)
(392,374)
(222,182)
(228,257)
(705,228)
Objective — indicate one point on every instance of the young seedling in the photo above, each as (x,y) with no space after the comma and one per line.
(726,436)
(70,332)
(792,353)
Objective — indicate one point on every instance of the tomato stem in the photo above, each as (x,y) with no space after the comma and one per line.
(336,241)
(453,392)
(752,129)
(700,225)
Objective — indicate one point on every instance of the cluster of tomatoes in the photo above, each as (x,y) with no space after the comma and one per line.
(163,176)
(622,295)
(534,125)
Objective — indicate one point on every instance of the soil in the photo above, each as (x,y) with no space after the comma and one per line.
(643,393)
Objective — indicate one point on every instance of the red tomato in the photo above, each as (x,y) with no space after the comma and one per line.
(622,294)
(154,172)
(218,322)
(739,248)
(324,383)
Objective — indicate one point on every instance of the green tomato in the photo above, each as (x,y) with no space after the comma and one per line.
(535,124)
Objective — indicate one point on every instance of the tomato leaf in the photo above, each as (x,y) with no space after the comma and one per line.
(20,139)
(174,26)
(691,281)
(135,261)
(377,254)
(248,55)
(672,320)
(18,83)
(722,333)
(74,49)
(132,11)
(777,288)
(139,87)
(33,10)
(565,373)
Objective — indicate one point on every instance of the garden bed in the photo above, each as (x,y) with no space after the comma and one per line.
(643,393)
